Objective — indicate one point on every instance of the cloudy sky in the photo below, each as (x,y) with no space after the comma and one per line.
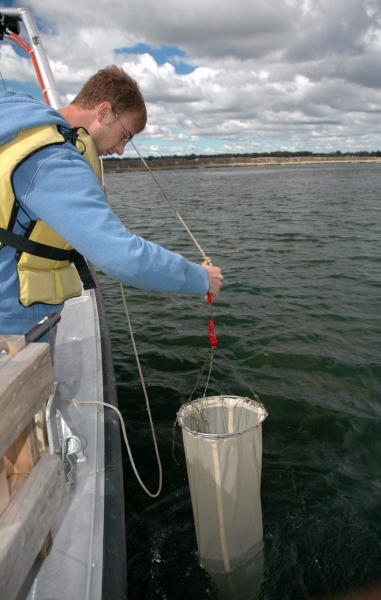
(224,75)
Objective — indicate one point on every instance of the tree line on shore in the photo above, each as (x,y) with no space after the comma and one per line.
(275,154)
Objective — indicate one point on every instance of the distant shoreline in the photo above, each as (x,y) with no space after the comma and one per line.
(159,164)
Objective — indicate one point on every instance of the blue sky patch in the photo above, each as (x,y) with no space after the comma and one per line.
(17,86)
(162,54)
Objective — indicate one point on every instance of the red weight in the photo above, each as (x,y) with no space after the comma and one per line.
(212,335)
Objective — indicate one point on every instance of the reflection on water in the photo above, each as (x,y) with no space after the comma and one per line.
(299,317)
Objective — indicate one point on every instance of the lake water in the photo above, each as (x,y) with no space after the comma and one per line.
(300,320)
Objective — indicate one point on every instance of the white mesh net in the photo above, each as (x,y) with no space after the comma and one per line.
(223,447)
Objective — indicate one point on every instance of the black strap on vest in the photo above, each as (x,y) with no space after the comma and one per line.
(84,272)
(8,238)
(71,135)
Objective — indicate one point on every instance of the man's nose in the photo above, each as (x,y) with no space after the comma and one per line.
(119,149)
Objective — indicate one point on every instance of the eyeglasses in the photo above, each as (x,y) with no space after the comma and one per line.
(128,135)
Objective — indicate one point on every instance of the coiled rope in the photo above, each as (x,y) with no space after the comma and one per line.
(74,401)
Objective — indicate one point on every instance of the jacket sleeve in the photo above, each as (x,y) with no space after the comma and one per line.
(60,187)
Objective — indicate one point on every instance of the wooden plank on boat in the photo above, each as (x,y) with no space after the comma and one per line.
(23,454)
(15,482)
(26,382)
(27,521)
(4,358)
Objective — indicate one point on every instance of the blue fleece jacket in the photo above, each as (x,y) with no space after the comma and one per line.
(58,186)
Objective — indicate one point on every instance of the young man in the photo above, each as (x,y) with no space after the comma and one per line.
(51,195)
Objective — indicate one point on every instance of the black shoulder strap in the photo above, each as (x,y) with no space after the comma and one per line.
(8,238)
(84,271)
(71,135)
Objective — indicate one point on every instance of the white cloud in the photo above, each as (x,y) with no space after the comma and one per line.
(14,67)
(296,73)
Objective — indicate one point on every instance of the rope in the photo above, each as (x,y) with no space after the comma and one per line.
(5,87)
(238,375)
(147,403)
(206,258)
(124,436)
(239,249)
(201,374)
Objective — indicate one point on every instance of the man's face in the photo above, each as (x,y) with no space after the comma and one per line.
(112,131)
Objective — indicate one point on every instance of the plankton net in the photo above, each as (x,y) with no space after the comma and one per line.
(223,446)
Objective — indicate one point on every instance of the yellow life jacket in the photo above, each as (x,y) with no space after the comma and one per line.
(45,268)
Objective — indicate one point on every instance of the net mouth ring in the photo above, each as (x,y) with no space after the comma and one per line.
(218,400)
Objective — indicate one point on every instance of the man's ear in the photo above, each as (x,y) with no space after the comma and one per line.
(103,112)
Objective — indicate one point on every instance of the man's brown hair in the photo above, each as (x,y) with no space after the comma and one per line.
(113,85)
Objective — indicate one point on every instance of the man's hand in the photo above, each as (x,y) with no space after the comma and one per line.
(215,279)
